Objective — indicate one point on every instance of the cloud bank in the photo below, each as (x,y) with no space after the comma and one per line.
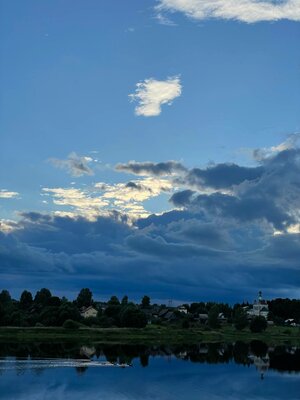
(152,94)
(249,11)
(231,231)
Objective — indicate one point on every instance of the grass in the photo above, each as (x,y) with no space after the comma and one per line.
(152,334)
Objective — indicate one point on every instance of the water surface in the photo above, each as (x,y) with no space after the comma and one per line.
(204,371)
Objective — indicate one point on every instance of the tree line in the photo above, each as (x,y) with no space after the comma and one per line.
(44,309)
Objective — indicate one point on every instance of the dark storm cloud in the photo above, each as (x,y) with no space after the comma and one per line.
(242,209)
(150,168)
(222,176)
(216,246)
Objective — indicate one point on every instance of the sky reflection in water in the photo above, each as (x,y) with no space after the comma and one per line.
(166,377)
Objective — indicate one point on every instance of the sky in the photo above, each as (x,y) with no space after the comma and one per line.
(150,147)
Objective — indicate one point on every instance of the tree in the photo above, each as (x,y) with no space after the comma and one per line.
(124,301)
(132,317)
(146,302)
(258,324)
(5,297)
(26,300)
(213,317)
(84,298)
(240,319)
(114,301)
(42,297)
(68,311)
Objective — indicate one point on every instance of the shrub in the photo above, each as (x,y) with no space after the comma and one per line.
(70,324)
(240,319)
(258,324)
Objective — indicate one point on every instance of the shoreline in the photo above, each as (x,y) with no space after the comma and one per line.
(150,335)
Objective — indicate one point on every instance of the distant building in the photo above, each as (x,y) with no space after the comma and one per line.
(182,309)
(260,308)
(203,318)
(290,322)
(87,312)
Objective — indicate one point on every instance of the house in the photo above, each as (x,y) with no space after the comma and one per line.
(87,312)
(260,308)
(170,316)
(222,318)
(290,322)
(203,318)
(163,312)
(182,309)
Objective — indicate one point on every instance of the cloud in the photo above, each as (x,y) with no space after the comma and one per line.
(129,197)
(102,198)
(151,169)
(222,176)
(75,165)
(249,11)
(151,94)
(80,202)
(234,230)
(265,153)
(5,194)
(270,193)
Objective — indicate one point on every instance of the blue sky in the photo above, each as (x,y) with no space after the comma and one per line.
(68,68)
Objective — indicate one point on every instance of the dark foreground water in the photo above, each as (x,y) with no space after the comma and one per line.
(204,371)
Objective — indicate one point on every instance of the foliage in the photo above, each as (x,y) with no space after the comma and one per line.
(146,302)
(70,324)
(42,297)
(213,317)
(26,300)
(284,309)
(258,324)
(240,319)
(84,298)
(114,301)
(132,317)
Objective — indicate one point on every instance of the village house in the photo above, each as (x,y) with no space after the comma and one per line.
(87,312)
(182,309)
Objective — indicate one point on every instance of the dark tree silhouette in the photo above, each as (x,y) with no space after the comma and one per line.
(84,298)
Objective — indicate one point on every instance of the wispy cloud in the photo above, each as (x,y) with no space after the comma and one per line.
(5,194)
(249,11)
(75,165)
(164,20)
(151,94)
(149,168)
(264,153)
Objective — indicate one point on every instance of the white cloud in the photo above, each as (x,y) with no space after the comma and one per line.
(128,197)
(5,194)
(103,198)
(82,202)
(248,11)
(152,94)
(7,225)
(75,165)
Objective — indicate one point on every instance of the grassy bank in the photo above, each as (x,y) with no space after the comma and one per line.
(150,335)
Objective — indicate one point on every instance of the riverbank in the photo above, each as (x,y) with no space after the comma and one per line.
(151,335)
